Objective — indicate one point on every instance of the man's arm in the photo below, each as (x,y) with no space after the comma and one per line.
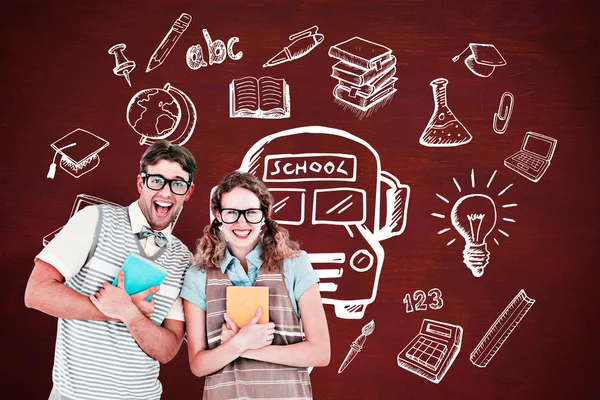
(315,350)
(160,342)
(47,293)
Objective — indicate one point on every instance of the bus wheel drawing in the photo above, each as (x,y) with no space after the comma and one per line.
(341,203)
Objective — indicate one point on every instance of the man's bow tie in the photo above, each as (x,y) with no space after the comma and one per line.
(159,237)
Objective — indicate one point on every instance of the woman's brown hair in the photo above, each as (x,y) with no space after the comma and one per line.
(277,245)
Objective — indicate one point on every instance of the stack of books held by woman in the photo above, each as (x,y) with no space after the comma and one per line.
(366,74)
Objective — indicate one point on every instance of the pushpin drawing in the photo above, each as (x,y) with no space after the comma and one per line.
(123,66)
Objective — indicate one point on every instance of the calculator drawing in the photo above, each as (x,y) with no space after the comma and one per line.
(534,158)
(431,353)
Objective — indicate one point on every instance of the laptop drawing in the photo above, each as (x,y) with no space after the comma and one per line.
(81,201)
(533,159)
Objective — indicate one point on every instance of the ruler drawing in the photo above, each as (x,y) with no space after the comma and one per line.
(501,329)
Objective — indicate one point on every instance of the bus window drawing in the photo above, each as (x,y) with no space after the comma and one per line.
(534,158)
(79,153)
(474,217)
(443,129)
(501,329)
(343,201)
(81,201)
(431,353)
(366,75)
(165,113)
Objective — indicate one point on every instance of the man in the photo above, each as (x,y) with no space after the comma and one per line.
(109,344)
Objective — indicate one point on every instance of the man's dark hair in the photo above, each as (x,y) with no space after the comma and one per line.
(164,150)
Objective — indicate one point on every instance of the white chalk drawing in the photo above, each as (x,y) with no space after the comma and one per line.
(501,329)
(123,66)
(357,345)
(365,73)
(443,129)
(420,299)
(505,109)
(81,201)
(194,57)
(217,52)
(483,60)
(534,158)
(431,353)
(302,43)
(266,97)
(79,153)
(165,113)
(354,205)
(474,217)
(164,48)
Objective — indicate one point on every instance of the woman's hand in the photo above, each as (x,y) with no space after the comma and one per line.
(228,330)
(253,335)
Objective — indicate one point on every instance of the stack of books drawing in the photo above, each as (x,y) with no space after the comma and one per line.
(366,73)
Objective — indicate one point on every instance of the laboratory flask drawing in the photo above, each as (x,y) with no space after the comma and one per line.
(342,200)
(443,129)
(166,113)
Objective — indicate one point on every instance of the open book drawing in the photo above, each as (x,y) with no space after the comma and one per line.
(265,97)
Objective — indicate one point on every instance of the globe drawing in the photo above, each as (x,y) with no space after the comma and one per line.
(154,113)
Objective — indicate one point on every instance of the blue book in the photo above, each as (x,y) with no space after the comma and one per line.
(141,274)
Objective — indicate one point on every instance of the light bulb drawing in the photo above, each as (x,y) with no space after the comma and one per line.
(474,216)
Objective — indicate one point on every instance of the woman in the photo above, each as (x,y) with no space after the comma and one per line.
(245,246)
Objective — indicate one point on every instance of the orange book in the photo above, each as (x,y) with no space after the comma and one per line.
(243,301)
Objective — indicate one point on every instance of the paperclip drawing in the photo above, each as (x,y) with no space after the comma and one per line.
(533,160)
(505,109)
(357,345)
(266,97)
(443,129)
(474,216)
(431,353)
(164,48)
(81,201)
(343,199)
(501,329)
(302,43)
(123,66)
(79,153)
(165,113)
(365,73)
(483,60)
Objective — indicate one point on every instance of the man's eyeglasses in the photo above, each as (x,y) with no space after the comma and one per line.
(157,182)
(231,215)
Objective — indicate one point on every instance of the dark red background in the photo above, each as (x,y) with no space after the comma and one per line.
(57,76)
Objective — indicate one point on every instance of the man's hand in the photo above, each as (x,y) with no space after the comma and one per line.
(113,301)
(145,306)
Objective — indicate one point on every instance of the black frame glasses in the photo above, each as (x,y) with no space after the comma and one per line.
(171,182)
(239,214)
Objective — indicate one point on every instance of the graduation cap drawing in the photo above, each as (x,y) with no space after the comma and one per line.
(483,60)
(79,150)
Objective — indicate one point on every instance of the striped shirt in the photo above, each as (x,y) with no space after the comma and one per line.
(101,359)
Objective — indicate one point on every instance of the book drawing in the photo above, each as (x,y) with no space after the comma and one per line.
(366,75)
(265,97)
(242,302)
(141,274)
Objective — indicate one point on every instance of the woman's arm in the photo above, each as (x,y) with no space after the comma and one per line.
(315,350)
(204,361)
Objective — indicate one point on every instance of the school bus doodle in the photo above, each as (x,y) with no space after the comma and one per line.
(344,202)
